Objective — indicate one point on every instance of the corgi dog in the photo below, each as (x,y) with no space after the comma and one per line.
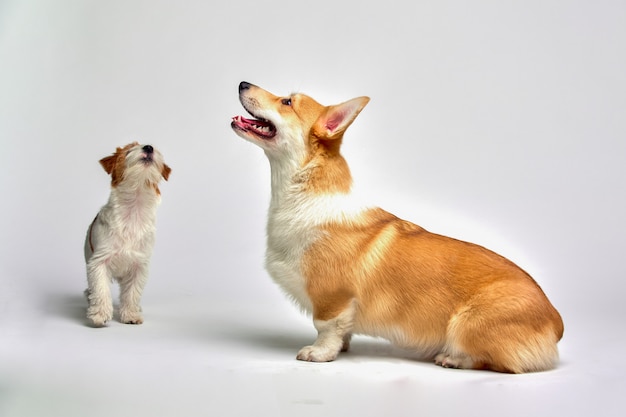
(358,269)
(120,239)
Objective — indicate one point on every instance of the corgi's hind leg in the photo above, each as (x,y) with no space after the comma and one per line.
(346,342)
(502,343)
(457,360)
(333,336)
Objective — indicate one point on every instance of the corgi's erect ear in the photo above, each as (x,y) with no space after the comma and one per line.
(166,172)
(336,119)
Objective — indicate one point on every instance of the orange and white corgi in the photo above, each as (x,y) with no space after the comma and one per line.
(359,269)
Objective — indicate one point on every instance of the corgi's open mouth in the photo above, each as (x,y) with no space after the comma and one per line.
(259,127)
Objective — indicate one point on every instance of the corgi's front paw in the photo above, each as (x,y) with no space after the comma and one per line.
(317,354)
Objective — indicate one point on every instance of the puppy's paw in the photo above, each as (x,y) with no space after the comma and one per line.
(131,317)
(317,354)
(99,315)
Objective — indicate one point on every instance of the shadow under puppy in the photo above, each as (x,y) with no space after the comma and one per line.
(120,239)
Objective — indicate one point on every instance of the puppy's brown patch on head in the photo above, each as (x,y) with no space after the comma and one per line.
(115,164)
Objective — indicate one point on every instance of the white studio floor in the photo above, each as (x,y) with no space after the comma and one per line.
(194,359)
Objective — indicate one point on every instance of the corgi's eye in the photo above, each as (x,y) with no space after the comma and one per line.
(286,101)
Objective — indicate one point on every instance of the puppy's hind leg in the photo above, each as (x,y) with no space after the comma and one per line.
(98,293)
(131,289)
(333,336)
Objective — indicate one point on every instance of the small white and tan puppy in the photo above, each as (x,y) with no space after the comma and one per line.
(360,269)
(120,239)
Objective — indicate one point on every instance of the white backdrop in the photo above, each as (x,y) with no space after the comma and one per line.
(502,123)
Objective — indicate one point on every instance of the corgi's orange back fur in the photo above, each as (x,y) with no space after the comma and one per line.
(359,269)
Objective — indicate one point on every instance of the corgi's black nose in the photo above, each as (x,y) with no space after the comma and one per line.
(148,149)
(244,86)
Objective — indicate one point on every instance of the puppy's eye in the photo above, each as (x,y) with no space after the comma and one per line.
(286,101)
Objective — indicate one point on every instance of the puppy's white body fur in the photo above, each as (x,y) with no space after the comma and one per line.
(359,269)
(121,238)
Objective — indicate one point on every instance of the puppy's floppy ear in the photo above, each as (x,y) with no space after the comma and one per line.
(108,163)
(166,172)
(336,119)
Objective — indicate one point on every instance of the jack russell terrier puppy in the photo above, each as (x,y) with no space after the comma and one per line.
(120,239)
(359,269)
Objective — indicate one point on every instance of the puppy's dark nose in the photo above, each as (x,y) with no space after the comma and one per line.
(244,86)
(148,149)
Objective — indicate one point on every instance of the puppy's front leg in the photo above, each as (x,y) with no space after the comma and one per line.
(98,293)
(333,336)
(131,289)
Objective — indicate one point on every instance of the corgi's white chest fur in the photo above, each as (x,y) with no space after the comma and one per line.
(294,222)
